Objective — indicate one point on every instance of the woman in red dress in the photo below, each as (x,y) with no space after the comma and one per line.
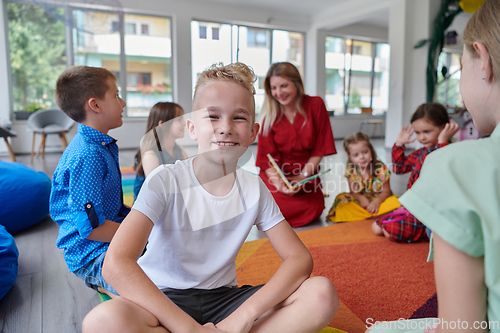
(296,132)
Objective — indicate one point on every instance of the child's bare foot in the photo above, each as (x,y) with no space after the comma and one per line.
(377,230)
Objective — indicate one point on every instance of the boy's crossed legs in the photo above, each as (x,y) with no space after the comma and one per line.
(309,309)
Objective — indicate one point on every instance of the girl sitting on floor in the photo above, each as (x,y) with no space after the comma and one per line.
(433,130)
(370,191)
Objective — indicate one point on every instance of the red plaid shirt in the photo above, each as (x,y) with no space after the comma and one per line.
(413,163)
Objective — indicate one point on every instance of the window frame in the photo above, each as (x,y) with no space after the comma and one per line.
(349,49)
(448,53)
(235,47)
(70,60)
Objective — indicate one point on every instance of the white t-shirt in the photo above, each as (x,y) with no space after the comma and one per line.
(196,236)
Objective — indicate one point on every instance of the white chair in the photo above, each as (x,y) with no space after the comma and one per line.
(46,122)
(376,123)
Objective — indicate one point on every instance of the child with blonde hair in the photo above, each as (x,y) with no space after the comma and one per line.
(457,197)
(370,191)
(194,216)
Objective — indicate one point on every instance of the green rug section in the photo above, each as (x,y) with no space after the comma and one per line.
(103,297)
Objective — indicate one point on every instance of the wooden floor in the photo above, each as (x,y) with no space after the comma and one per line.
(46,298)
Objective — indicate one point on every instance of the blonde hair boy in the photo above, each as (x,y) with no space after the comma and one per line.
(189,262)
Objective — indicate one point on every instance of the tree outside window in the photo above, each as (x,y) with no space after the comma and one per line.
(37,55)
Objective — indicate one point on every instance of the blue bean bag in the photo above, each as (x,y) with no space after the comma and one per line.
(8,261)
(24,196)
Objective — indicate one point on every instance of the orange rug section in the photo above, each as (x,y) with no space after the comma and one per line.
(376,279)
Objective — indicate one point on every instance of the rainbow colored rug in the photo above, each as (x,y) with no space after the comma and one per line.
(128,178)
(376,279)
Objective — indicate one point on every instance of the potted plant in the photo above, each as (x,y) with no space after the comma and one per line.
(29,110)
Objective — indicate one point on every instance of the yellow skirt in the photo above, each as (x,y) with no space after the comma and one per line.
(352,211)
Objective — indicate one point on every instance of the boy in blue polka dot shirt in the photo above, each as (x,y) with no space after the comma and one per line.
(86,199)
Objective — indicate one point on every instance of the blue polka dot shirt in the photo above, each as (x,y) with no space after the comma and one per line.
(86,191)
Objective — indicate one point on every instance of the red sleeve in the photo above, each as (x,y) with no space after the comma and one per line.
(400,163)
(325,144)
(441,145)
(266,145)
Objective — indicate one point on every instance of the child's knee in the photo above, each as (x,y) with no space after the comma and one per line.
(323,294)
(109,316)
(93,321)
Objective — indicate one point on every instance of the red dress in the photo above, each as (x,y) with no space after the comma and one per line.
(291,146)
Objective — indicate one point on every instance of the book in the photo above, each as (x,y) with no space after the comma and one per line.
(287,182)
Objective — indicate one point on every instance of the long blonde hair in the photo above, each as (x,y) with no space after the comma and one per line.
(272,110)
(484,27)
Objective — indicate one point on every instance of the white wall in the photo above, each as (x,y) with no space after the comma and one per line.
(4,76)
(362,31)
(343,126)
(409,22)
(458,25)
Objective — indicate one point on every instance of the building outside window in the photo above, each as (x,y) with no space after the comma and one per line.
(255,47)
(142,67)
(256,37)
(130,28)
(357,76)
(203,32)
(215,33)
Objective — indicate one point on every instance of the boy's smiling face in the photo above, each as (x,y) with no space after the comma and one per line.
(223,121)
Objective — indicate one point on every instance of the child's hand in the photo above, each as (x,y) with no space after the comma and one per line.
(448,132)
(281,187)
(210,328)
(363,201)
(404,136)
(287,191)
(231,324)
(373,206)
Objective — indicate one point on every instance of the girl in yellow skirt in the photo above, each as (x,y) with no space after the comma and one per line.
(370,191)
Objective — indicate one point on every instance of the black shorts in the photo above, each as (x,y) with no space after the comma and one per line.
(210,305)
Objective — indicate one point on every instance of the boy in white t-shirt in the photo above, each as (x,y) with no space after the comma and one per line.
(194,216)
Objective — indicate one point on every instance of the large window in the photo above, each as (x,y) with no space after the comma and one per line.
(448,92)
(137,48)
(357,76)
(37,55)
(255,47)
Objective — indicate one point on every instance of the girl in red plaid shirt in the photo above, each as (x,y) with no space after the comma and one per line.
(432,128)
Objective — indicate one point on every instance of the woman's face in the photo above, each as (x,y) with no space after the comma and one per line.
(283,90)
